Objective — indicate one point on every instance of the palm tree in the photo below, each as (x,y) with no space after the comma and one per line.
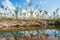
(16,13)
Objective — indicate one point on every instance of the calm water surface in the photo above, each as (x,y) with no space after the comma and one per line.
(35,33)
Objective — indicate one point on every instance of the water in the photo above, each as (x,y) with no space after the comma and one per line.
(35,33)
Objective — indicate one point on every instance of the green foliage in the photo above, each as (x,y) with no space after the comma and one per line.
(24,13)
(40,10)
(37,15)
(15,16)
(45,12)
(58,20)
(57,9)
(16,12)
(31,12)
(25,25)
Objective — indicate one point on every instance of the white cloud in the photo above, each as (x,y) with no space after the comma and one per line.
(24,11)
(8,4)
(1,10)
(28,1)
(10,7)
(41,2)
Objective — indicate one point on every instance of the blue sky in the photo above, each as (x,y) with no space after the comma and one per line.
(49,5)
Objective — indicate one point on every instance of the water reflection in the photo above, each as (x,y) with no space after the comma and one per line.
(35,33)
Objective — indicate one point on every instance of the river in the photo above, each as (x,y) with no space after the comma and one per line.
(35,33)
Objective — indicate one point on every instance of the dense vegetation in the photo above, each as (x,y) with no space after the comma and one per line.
(29,13)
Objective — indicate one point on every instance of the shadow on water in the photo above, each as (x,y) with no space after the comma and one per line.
(57,25)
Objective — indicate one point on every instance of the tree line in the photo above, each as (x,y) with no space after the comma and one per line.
(37,13)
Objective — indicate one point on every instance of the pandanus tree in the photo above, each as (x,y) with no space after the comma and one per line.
(16,13)
(23,13)
(5,12)
(45,12)
(20,12)
(0,12)
(54,15)
(37,15)
(31,13)
(38,9)
(57,10)
(38,12)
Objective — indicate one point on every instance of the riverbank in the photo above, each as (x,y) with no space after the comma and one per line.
(22,25)
(14,29)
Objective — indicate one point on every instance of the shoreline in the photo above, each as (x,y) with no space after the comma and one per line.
(13,29)
(22,25)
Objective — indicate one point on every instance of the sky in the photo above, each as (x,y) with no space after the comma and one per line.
(49,5)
